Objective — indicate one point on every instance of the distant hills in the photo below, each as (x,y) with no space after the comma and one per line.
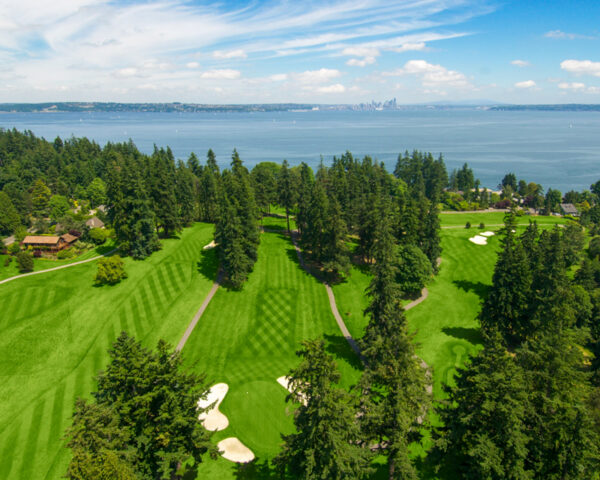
(387,105)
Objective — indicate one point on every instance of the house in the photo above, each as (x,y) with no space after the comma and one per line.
(50,243)
(42,242)
(569,209)
(95,222)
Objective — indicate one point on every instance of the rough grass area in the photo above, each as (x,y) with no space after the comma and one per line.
(44,263)
(56,328)
(247,339)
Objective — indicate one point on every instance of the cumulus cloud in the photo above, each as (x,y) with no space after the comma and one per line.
(279,77)
(571,86)
(581,67)
(368,56)
(223,74)
(222,55)
(520,63)
(335,88)
(560,35)
(409,47)
(431,75)
(525,84)
(192,65)
(318,76)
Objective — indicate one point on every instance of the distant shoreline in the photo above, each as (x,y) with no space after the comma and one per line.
(176,107)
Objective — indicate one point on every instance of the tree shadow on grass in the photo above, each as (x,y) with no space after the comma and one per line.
(208,264)
(339,347)
(472,335)
(104,249)
(256,470)
(478,288)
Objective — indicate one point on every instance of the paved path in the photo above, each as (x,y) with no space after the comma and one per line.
(200,312)
(56,268)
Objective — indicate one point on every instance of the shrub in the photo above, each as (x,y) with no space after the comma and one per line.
(468,225)
(75,233)
(482,225)
(14,248)
(66,253)
(37,253)
(98,235)
(594,247)
(7,261)
(25,261)
(110,270)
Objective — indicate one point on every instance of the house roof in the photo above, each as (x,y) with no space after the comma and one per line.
(569,208)
(40,240)
(95,222)
(67,237)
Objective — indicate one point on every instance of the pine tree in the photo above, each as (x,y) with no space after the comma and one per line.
(326,444)
(185,193)
(208,191)
(429,241)
(9,217)
(336,262)
(395,398)
(40,196)
(162,191)
(316,222)
(286,191)
(305,188)
(484,433)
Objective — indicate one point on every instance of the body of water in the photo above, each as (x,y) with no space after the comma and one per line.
(556,149)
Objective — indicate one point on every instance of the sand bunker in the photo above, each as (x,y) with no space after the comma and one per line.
(478,240)
(285,383)
(209,246)
(213,419)
(234,450)
(487,234)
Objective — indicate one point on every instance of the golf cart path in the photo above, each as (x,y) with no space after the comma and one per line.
(74,264)
(333,305)
(200,311)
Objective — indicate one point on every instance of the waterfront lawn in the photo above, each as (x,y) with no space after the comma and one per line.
(247,339)
(56,328)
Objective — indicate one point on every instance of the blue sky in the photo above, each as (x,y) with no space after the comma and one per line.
(336,51)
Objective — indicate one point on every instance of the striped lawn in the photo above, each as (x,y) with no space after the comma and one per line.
(55,330)
(247,339)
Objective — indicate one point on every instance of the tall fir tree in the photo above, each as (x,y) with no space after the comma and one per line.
(326,444)
(286,191)
(162,191)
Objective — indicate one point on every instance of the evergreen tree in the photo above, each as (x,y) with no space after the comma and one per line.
(305,189)
(9,217)
(185,193)
(40,196)
(564,442)
(483,433)
(395,398)
(326,444)
(335,258)
(208,191)
(162,191)
(286,191)
(264,184)
(413,270)
(429,241)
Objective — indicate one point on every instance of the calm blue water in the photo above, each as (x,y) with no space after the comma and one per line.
(557,149)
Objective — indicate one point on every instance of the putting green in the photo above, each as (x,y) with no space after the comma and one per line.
(56,328)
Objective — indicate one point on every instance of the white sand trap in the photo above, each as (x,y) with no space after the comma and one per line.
(213,419)
(285,383)
(234,450)
(478,240)
(487,234)
(209,246)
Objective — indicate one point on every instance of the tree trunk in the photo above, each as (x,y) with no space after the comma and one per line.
(391,468)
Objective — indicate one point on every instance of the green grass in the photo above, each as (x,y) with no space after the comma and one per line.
(247,339)
(493,219)
(55,330)
(44,263)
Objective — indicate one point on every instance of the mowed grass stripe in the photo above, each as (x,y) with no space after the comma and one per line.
(8,450)
(31,440)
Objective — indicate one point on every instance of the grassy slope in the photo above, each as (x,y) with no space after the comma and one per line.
(55,330)
(247,339)
(43,263)
(492,219)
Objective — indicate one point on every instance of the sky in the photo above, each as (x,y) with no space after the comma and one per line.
(328,51)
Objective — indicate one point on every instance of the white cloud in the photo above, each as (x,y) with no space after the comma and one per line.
(279,77)
(221,55)
(360,52)
(431,75)
(223,74)
(127,72)
(192,65)
(356,62)
(560,35)
(409,47)
(335,88)
(581,67)
(520,63)
(318,76)
(571,86)
(525,84)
